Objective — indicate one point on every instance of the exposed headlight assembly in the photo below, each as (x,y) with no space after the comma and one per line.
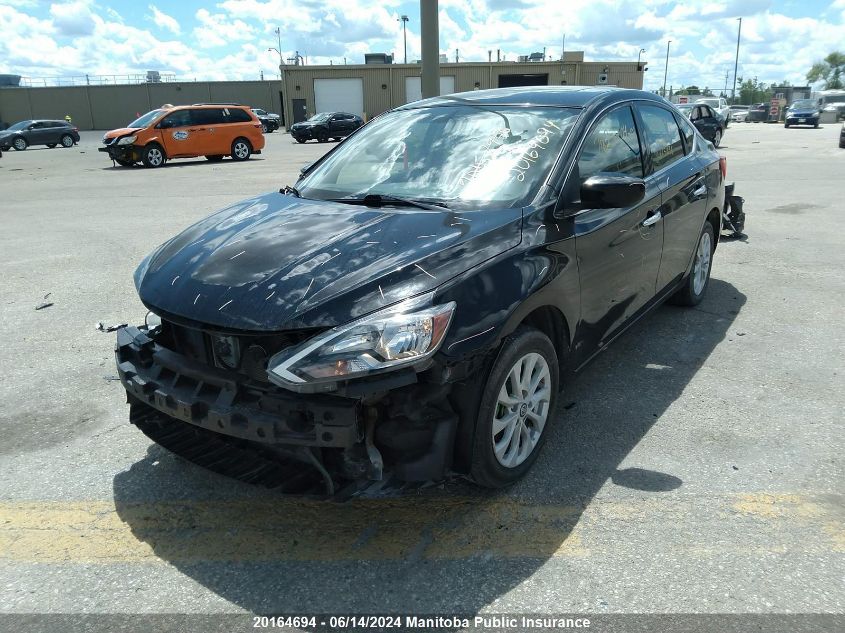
(127,140)
(400,336)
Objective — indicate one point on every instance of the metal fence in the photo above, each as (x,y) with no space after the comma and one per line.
(97,80)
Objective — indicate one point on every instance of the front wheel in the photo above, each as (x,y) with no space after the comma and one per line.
(695,285)
(717,138)
(241,149)
(153,156)
(66,140)
(264,128)
(20,144)
(517,401)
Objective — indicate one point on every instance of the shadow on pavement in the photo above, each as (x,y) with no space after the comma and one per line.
(453,550)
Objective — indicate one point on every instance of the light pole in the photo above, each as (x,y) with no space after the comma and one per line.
(736,62)
(404,20)
(642,50)
(666,69)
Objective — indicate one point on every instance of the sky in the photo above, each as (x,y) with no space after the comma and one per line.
(229,39)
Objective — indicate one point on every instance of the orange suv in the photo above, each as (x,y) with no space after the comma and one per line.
(213,130)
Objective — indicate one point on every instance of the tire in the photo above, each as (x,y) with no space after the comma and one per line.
(153,155)
(695,285)
(216,158)
(124,163)
(20,144)
(264,128)
(299,140)
(815,125)
(51,145)
(66,140)
(786,125)
(322,136)
(498,461)
(717,138)
(241,149)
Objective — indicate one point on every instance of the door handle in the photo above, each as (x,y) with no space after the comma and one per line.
(700,191)
(653,218)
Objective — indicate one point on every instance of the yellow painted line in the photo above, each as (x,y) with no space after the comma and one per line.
(435,528)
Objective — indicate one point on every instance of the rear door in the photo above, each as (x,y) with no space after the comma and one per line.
(618,249)
(675,170)
(208,131)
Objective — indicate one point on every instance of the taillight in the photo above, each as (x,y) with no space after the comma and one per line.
(723,167)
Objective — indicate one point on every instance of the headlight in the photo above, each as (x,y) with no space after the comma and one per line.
(152,320)
(127,140)
(397,337)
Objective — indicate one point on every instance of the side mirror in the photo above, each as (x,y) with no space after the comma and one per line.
(611,191)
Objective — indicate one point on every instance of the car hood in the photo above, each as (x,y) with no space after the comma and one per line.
(121,132)
(277,262)
(803,111)
(5,133)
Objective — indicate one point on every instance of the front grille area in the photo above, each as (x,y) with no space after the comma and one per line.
(246,354)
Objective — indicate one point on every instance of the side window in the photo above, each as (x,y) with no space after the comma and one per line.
(663,137)
(612,146)
(236,115)
(207,116)
(180,118)
(688,132)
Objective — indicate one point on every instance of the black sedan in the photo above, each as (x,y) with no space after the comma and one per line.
(325,126)
(410,309)
(705,120)
(39,132)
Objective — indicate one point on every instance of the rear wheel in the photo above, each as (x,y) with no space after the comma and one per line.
(241,149)
(20,144)
(322,136)
(516,404)
(264,129)
(153,155)
(692,292)
(717,138)
(66,140)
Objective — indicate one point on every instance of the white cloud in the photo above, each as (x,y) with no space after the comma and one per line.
(164,21)
(73,18)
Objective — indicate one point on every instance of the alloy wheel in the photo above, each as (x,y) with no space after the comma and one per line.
(155,157)
(521,410)
(20,144)
(241,150)
(702,264)
(67,141)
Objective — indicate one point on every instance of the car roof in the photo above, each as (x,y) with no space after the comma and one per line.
(562,96)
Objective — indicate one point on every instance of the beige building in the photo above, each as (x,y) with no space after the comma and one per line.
(369,90)
(363,89)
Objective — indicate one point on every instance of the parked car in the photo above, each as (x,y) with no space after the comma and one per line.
(39,132)
(739,113)
(803,112)
(705,121)
(758,113)
(269,122)
(842,137)
(719,105)
(325,126)
(210,130)
(411,307)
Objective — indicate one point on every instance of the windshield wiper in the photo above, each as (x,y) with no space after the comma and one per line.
(380,199)
(290,190)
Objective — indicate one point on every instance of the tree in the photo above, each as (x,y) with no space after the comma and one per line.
(831,70)
(750,91)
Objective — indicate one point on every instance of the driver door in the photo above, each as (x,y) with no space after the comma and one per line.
(618,250)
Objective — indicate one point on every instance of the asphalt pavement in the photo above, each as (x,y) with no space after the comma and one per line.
(697,465)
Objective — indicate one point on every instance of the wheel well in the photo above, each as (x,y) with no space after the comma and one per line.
(551,322)
(715,218)
(244,139)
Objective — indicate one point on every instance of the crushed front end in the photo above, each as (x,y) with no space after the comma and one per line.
(206,396)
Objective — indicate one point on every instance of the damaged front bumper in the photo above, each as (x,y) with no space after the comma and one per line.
(258,432)
(124,153)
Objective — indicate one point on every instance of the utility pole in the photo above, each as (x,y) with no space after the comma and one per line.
(727,72)
(457,58)
(666,69)
(563,48)
(736,62)
(404,20)
(430,35)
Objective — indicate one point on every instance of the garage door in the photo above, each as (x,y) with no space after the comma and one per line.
(413,87)
(339,95)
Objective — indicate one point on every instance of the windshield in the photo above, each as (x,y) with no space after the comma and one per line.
(686,109)
(18,126)
(322,116)
(258,111)
(145,120)
(803,104)
(462,155)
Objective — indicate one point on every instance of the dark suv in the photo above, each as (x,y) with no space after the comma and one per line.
(411,308)
(39,132)
(325,126)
